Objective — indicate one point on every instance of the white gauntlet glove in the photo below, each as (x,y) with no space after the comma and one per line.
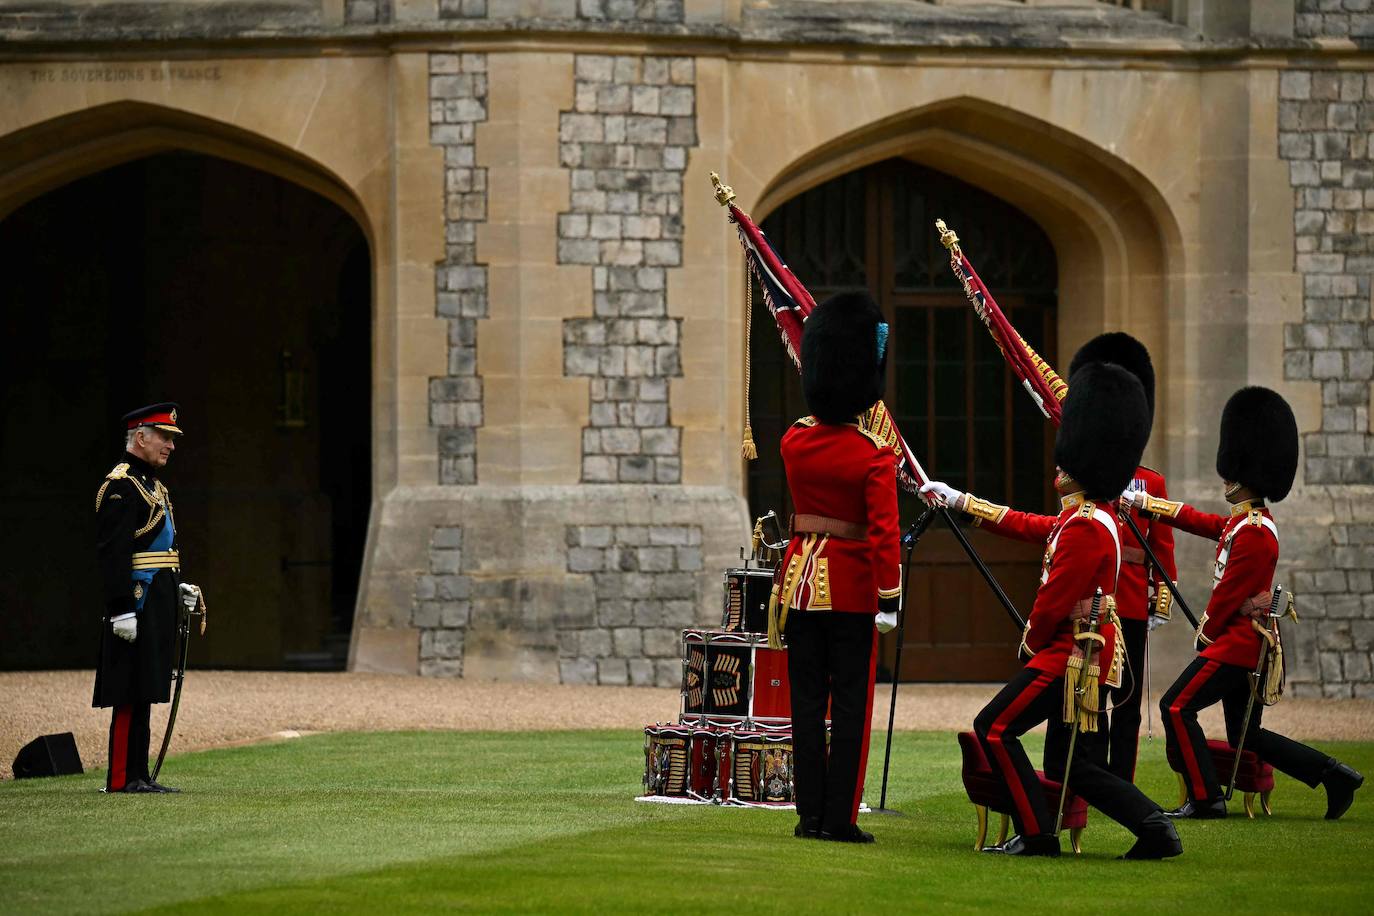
(1134,499)
(886,621)
(125,626)
(190,595)
(1154,622)
(938,493)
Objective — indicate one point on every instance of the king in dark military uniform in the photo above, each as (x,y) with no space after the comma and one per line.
(141,586)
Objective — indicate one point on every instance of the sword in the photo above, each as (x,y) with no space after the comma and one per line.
(1255,678)
(1080,690)
(179,676)
(1125,516)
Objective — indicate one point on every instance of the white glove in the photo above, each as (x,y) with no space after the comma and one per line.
(886,621)
(1154,622)
(125,626)
(938,493)
(190,595)
(1134,499)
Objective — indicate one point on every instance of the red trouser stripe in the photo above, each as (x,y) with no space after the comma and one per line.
(868,729)
(1000,725)
(119,747)
(1185,740)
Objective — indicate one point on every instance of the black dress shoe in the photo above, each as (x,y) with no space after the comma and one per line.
(849,833)
(1200,811)
(1157,838)
(1340,781)
(808,828)
(166,790)
(1042,844)
(134,787)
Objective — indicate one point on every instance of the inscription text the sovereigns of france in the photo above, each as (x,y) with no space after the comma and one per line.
(166,73)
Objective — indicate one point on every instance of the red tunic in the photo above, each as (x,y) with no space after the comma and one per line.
(1081,556)
(1247,554)
(841,472)
(1137,576)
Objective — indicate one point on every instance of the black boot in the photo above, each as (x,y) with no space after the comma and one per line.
(134,787)
(808,828)
(1200,810)
(849,833)
(1341,782)
(159,787)
(1156,838)
(1043,844)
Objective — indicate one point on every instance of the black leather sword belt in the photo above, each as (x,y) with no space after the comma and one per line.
(835,527)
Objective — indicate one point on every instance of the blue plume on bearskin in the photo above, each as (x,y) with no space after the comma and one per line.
(1106,425)
(1124,350)
(842,373)
(1259,442)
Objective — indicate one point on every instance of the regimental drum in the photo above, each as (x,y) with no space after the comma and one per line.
(708,763)
(667,750)
(746,600)
(760,769)
(733,678)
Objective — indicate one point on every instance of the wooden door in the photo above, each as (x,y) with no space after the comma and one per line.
(947,386)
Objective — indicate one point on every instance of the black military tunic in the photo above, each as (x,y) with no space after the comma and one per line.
(136,540)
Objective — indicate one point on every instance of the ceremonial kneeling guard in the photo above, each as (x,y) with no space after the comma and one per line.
(1073,623)
(1237,640)
(140,580)
(841,566)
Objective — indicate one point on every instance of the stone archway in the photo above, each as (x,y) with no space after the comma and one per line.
(196,262)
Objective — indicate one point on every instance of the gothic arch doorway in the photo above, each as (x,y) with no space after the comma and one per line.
(245,297)
(947,384)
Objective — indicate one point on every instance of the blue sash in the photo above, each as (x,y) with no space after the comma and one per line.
(142,577)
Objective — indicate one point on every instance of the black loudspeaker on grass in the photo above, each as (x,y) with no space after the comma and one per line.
(48,755)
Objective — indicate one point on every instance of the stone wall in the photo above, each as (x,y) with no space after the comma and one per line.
(1326,132)
(647,11)
(442,605)
(625,142)
(457,104)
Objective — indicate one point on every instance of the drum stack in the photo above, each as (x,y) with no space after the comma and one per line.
(732,743)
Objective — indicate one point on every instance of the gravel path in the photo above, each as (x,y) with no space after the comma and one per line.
(220,708)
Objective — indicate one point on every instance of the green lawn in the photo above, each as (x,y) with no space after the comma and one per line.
(546,821)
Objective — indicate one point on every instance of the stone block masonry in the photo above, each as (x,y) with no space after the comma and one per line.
(443,606)
(457,104)
(625,142)
(647,11)
(646,580)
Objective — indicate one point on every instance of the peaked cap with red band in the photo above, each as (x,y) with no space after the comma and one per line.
(159,416)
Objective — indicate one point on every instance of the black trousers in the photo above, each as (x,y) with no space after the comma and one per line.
(1030,698)
(1203,683)
(830,662)
(1122,738)
(129,737)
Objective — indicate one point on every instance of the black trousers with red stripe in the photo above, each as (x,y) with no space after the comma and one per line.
(830,661)
(129,737)
(1123,735)
(1030,698)
(1203,683)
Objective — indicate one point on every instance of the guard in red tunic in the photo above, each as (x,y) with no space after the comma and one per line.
(1143,602)
(1257,459)
(1097,449)
(841,566)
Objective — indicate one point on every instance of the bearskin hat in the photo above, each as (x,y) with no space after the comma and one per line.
(1124,350)
(1105,426)
(842,370)
(1259,442)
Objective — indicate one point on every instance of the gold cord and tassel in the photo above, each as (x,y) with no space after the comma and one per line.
(1087,706)
(748,449)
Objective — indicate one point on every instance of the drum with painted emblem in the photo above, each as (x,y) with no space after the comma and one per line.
(761,769)
(667,751)
(733,678)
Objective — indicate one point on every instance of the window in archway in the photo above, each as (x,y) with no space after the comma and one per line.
(948,386)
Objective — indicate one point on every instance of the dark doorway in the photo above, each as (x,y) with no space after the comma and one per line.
(245,298)
(948,386)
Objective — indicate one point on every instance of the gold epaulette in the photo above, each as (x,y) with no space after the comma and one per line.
(1086,510)
(876,423)
(806,421)
(871,436)
(119,472)
(982,510)
(1256,518)
(1156,506)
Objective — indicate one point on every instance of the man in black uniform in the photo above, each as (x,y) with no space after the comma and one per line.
(141,585)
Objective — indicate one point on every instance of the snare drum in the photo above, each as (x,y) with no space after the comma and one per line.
(666,754)
(733,677)
(746,600)
(761,769)
(708,762)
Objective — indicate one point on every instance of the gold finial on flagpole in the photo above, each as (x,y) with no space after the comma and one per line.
(724,193)
(947,236)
